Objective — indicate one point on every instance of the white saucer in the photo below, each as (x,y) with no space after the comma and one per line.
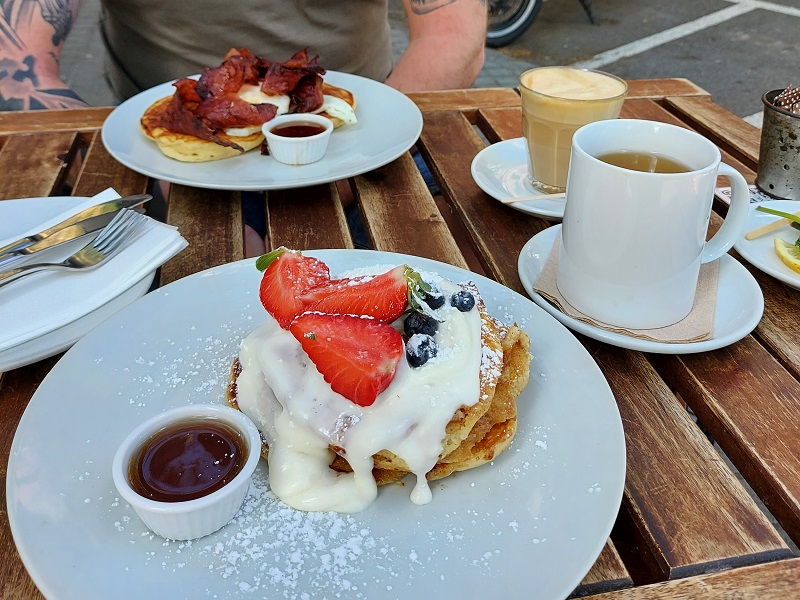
(760,252)
(501,170)
(740,303)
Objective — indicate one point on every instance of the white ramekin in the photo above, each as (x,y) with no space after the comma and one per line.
(300,150)
(193,518)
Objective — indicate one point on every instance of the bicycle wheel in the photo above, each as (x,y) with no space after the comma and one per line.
(508,19)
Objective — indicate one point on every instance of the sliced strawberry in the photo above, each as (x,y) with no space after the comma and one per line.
(288,274)
(356,356)
(383,297)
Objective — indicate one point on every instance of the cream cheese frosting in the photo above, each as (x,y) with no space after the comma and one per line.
(300,416)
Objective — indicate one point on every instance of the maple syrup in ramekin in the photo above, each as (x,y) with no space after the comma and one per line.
(187,460)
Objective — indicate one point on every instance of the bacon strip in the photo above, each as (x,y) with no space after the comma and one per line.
(205,107)
(307,95)
(238,68)
(179,118)
(282,78)
(228,111)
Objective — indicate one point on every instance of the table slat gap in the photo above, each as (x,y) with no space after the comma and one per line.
(211,221)
(499,124)
(307,218)
(727,130)
(762,442)
(395,222)
(607,574)
(676,484)
(497,233)
(770,580)
(39,163)
(100,171)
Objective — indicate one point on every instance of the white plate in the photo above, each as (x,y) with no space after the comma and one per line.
(535,519)
(501,170)
(740,303)
(23,215)
(388,125)
(760,252)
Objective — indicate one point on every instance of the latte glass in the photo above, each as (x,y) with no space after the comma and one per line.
(556,101)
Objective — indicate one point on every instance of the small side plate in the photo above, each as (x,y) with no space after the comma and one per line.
(760,252)
(501,170)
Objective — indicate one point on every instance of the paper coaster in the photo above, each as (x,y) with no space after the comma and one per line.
(697,326)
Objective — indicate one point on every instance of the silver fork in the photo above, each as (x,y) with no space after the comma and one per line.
(107,243)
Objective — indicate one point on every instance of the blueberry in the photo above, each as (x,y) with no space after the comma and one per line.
(420,348)
(434,298)
(463,301)
(419,323)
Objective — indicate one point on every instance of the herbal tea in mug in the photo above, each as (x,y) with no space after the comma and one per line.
(645,162)
(632,240)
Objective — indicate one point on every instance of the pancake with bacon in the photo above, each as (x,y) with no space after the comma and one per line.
(220,115)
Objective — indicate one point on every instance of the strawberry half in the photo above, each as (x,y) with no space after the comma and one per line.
(356,356)
(288,274)
(383,297)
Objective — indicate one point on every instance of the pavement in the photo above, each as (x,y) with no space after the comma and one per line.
(734,49)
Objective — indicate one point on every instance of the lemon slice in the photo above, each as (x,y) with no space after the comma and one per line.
(788,253)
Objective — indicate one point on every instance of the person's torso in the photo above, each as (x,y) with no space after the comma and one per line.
(152,41)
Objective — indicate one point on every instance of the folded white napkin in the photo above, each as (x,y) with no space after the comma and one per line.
(41,302)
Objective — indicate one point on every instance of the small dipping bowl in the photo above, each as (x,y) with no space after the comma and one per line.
(195,518)
(295,146)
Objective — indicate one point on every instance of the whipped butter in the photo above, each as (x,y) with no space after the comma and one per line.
(300,416)
(252,94)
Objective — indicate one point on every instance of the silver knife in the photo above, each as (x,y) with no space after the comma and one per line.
(67,234)
(53,236)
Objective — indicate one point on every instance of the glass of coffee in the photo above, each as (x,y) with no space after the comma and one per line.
(556,102)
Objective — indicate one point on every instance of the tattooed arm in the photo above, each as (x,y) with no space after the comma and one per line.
(446,45)
(32,35)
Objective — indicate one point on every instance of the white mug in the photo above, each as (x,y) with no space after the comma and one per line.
(633,241)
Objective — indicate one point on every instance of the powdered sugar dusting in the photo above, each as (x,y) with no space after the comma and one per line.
(270,545)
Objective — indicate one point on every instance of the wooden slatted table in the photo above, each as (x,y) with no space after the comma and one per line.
(689,525)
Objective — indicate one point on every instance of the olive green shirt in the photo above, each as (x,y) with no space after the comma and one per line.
(152,41)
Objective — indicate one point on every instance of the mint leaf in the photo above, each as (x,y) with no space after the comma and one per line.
(266,260)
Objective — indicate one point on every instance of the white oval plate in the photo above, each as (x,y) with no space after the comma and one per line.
(501,170)
(760,252)
(389,123)
(534,519)
(740,303)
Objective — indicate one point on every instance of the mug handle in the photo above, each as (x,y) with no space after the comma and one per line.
(736,218)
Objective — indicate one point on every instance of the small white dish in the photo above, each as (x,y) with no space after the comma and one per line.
(298,150)
(740,303)
(501,170)
(189,519)
(760,252)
